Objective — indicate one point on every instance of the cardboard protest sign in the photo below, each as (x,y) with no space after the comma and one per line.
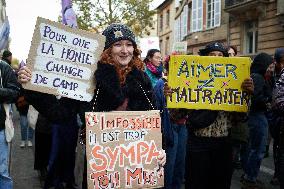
(122,149)
(180,47)
(63,60)
(204,82)
(148,43)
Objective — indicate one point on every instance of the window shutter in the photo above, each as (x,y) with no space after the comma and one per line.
(177,3)
(194,16)
(217,13)
(185,15)
(176,30)
(181,25)
(199,15)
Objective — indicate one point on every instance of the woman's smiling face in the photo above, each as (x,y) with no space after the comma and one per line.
(122,52)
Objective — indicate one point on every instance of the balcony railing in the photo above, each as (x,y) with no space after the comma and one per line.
(240,6)
(231,3)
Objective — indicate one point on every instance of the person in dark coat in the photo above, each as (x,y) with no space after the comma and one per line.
(42,146)
(278,107)
(121,84)
(9,91)
(7,57)
(209,144)
(257,121)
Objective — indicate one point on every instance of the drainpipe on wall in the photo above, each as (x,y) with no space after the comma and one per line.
(280,12)
(228,29)
(228,32)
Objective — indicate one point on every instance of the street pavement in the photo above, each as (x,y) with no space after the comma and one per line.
(25,177)
(22,161)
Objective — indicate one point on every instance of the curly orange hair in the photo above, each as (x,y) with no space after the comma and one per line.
(136,62)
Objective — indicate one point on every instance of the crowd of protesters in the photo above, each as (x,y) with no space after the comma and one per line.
(202,147)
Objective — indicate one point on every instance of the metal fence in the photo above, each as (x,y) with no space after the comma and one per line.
(229,3)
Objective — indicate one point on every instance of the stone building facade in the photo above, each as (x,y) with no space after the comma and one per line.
(252,25)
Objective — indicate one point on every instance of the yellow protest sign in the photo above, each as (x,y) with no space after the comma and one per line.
(206,82)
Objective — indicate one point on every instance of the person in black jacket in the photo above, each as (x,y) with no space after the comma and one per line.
(278,107)
(209,145)
(9,91)
(210,148)
(7,57)
(121,84)
(257,121)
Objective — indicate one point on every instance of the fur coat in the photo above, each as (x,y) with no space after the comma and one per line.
(137,89)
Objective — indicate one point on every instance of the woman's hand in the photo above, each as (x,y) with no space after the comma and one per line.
(162,158)
(24,75)
(248,85)
(167,90)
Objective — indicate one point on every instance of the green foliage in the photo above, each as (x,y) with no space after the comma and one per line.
(15,63)
(100,13)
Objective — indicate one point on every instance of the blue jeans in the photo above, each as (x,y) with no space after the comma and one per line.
(175,166)
(26,131)
(258,133)
(5,179)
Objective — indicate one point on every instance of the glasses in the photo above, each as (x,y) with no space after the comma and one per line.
(158,58)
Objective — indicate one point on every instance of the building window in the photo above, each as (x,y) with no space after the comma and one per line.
(210,13)
(161,45)
(168,18)
(213,13)
(181,25)
(184,18)
(176,30)
(177,3)
(161,22)
(197,15)
(251,37)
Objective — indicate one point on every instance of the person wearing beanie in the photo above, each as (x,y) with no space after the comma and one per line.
(278,107)
(7,57)
(117,32)
(154,66)
(209,145)
(257,122)
(121,85)
(121,81)
(214,49)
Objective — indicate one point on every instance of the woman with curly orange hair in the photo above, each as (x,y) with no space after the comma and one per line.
(121,85)
(120,76)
